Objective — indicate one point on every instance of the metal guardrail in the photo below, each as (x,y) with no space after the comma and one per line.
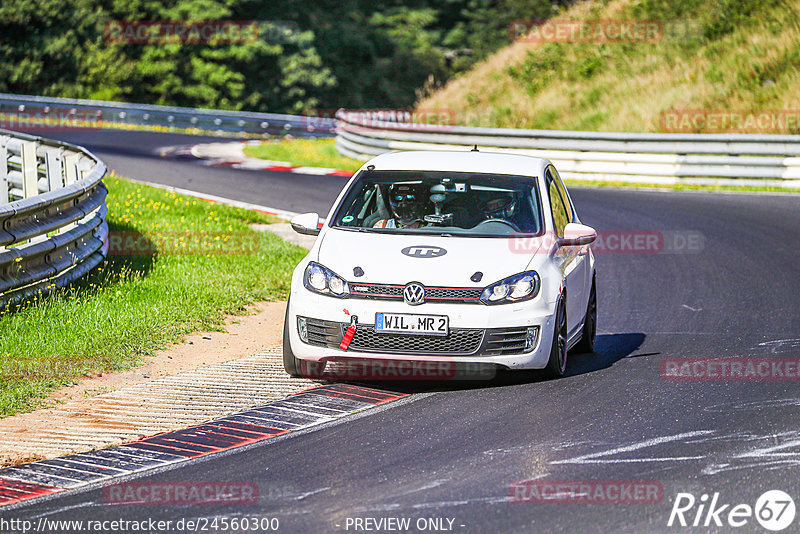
(52,214)
(722,159)
(21,109)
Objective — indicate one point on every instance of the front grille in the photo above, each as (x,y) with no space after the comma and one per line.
(505,341)
(376,291)
(395,292)
(452,294)
(458,341)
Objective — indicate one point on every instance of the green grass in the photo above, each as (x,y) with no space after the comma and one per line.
(133,305)
(304,152)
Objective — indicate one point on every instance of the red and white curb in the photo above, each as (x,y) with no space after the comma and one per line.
(299,411)
(231,154)
(263,165)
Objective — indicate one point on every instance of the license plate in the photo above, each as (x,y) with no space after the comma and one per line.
(411,323)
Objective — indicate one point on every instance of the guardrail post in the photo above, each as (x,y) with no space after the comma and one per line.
(70,169)
(54,165)
(54,169)
(70,177)
(3,171)
(30,175)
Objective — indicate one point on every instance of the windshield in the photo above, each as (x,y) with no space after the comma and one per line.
(433,202)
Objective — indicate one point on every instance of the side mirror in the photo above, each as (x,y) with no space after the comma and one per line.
(306,223)
(577,235)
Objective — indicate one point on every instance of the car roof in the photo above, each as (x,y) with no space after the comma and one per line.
(457,161)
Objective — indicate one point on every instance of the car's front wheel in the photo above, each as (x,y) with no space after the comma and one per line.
(290,363)
(557,364)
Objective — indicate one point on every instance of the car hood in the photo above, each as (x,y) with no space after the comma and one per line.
(383,261)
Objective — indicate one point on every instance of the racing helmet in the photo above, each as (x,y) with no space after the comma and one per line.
(499,206)
(407,204)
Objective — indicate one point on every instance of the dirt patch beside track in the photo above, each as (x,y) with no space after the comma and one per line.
(243,335)
(211,375)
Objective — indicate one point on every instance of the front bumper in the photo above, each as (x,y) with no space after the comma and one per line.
(459,342)
(478,333)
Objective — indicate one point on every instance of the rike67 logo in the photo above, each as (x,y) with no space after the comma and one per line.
(774,510)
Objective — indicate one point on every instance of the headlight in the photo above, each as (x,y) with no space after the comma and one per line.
(522,286)
(322,280)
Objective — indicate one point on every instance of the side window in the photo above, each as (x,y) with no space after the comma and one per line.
(560,215)
(562,190)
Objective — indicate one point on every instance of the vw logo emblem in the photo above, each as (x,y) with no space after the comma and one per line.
(423,251)
(414,293)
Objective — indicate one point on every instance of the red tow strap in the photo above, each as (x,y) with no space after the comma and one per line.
(348,335)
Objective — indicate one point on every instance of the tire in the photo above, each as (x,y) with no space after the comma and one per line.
(589,334)
(290,363)
(557,363)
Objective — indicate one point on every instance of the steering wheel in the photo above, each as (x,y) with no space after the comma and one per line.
(502,221)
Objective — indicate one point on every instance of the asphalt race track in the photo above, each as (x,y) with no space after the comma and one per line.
(453,450)
(136,155)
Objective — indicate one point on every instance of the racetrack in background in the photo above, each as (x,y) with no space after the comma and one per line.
(136,155)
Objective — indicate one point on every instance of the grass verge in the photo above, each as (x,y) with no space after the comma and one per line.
(194,262)
(304,152)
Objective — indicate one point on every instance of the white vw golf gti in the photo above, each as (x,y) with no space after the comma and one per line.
(466,257)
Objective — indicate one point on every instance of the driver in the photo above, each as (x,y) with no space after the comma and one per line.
(500,206)
(408,208)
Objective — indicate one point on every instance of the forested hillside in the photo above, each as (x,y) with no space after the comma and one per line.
(309,54)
